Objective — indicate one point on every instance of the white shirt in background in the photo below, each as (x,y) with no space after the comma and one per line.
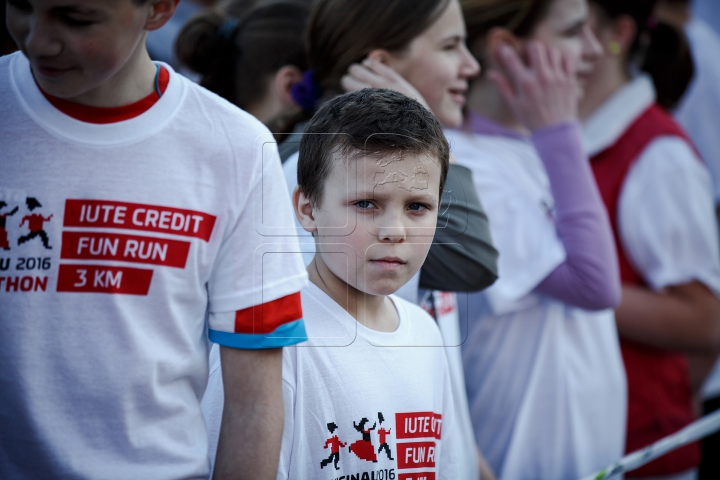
(545,381)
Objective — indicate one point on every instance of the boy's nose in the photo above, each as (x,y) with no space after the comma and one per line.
(391,229)
(41,40)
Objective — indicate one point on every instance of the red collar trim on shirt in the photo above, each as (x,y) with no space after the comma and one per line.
(104,115)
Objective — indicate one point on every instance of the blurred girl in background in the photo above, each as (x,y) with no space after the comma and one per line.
(252,58)
(543,370)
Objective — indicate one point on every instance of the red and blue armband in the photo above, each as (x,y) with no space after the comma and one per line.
(273,324)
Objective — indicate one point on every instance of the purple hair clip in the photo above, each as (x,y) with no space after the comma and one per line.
(307,92)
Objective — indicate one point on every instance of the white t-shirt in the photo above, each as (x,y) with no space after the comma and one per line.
(454,331)
(140,236)
(346,373)
(545,381)
(351,376)
(666,211)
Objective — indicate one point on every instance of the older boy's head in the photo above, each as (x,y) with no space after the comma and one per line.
(88,51)
(370,175)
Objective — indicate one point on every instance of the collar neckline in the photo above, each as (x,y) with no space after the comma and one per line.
(105,115)
(608,123)
(374,337)
(66,128)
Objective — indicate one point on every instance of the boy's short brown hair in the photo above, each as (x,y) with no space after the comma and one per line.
(371,122)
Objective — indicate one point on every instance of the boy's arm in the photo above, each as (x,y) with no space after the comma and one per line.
(252,419)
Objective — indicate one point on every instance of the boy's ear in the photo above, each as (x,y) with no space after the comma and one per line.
(304,211)
(160,12)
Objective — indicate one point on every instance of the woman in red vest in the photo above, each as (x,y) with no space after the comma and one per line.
(659,199)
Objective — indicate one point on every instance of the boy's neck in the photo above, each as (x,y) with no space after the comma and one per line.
(375,312)
(133,82)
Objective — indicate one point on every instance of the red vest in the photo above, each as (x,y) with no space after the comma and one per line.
(659,394)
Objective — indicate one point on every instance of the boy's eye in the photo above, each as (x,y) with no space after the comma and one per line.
(364,204)
(417,207)
(74,22)
(21,5)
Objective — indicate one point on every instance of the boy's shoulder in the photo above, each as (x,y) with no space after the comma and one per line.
(6,63)
(5,59)
(216,108)
(425,329)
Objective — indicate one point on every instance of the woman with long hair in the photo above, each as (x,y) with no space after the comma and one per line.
(543,371)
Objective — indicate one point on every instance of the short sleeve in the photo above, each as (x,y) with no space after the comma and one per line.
(256,277)
(666,217)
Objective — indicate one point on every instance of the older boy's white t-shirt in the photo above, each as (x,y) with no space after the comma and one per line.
(545,381)
(141,236)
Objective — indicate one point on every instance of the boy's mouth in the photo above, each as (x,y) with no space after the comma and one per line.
(50,72)
(388,262)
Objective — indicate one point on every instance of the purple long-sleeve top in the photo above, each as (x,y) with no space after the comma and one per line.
(589,277)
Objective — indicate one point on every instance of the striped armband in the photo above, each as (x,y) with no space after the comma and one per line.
(273,324)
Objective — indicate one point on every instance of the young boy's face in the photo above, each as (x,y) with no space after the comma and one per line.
(75,46)
(393,207)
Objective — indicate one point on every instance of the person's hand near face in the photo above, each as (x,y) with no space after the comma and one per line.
(374,73)
(542,79)
(434,69)
(542,93)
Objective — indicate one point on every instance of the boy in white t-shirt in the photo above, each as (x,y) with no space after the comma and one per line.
(372,166)
(135,226)
(368,396)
